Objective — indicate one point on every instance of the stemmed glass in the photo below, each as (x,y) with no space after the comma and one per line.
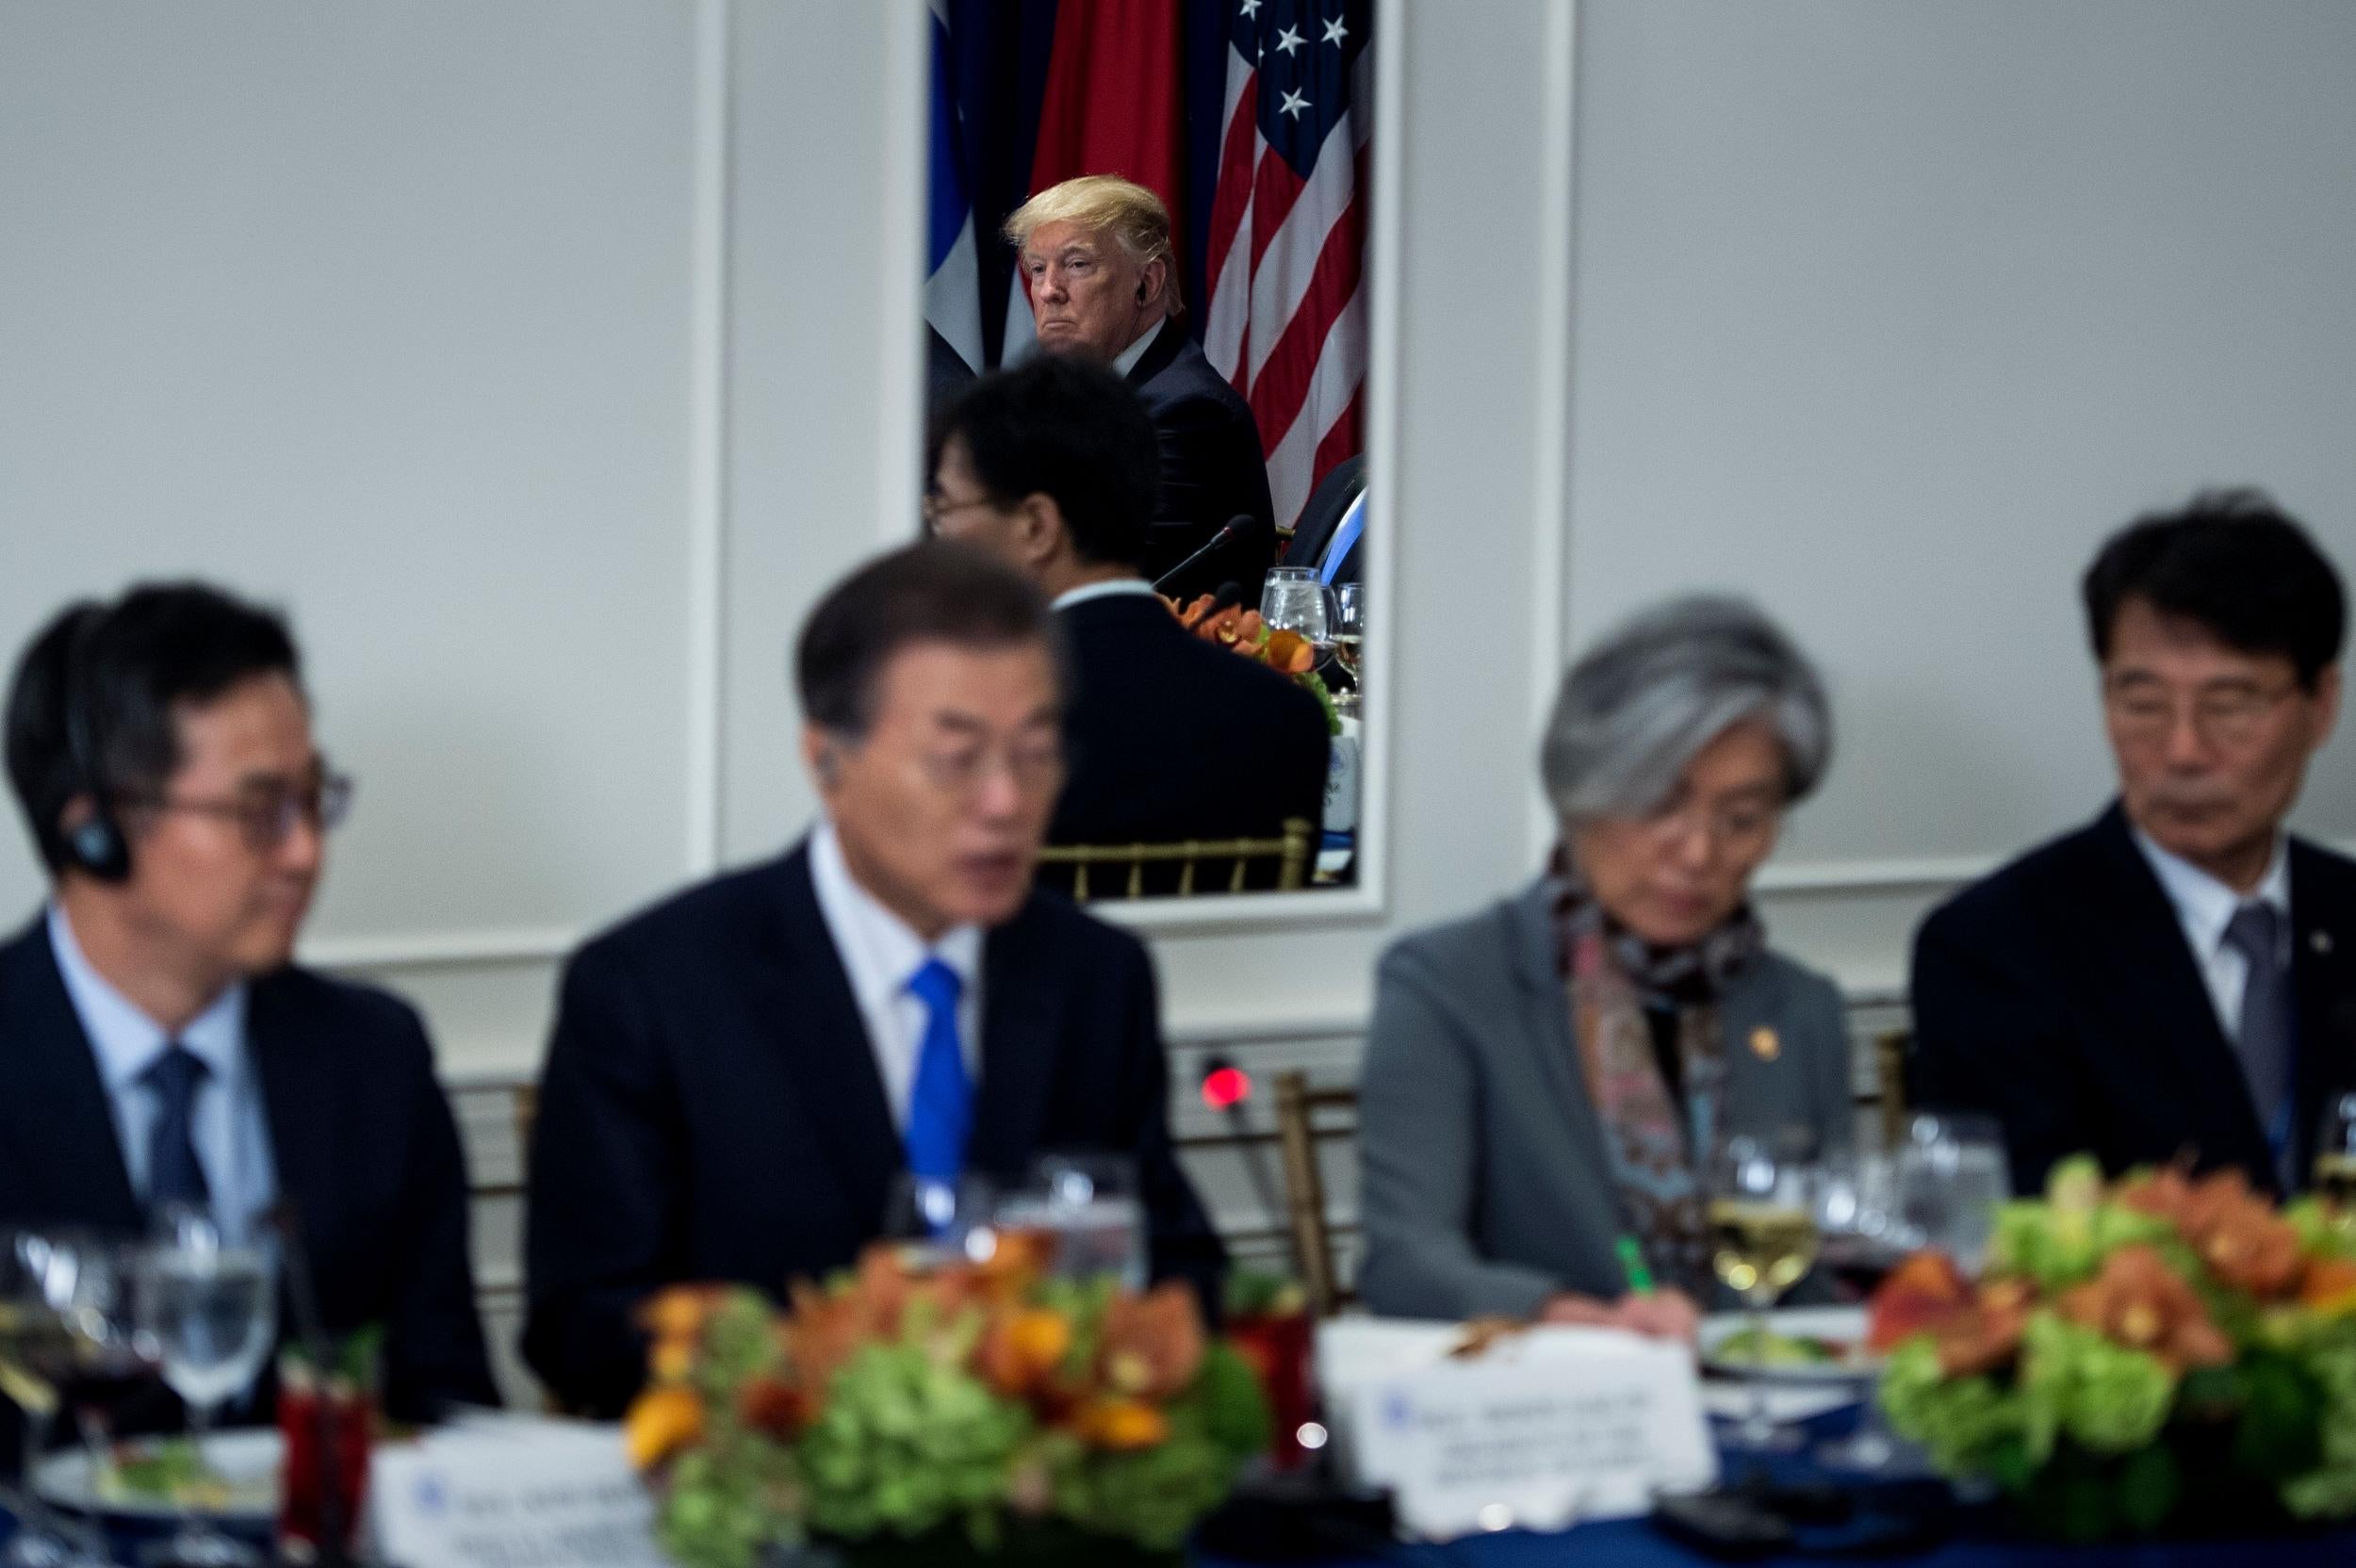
(1762,1235)
(1088,1204)
(210,1305)
(1857,1215)
(58,1340)
(2335,1160)
(1293,600)
(937,1222)
(1349,629)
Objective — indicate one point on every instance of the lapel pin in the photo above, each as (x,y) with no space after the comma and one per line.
(2320,941)
(1766,1044)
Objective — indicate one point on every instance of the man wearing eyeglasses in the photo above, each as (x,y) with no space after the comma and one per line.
(158,1045)
(738,1077)
(2177,979)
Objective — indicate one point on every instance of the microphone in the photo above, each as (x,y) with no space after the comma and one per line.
(1229,595)
(1227,530)
(1225,1088)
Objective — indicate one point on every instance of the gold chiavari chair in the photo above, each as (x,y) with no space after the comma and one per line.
(1289,855)
(1297,1134)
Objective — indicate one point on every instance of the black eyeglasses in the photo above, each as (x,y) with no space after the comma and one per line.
(268,813)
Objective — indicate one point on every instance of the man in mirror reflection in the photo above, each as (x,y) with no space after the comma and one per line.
(1096,258)
(1050,467)
(158,1045)
(2177,978)
(738,1076)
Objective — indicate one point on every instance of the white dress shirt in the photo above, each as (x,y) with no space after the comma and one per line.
(2204,906)
(880,953)
(231,1131)
(1127,359)
(1116,588)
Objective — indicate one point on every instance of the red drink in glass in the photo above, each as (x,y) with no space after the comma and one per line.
(324,1424)
(1277,1346)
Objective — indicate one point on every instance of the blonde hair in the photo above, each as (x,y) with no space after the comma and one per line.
(1106,204)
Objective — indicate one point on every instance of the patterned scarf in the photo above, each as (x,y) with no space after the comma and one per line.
(1611,976)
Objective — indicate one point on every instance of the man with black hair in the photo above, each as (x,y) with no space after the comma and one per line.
(2178,978)
(738,1076)
(158,1045)
(1050,467)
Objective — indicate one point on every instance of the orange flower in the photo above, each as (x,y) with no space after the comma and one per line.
(662,1422)
(772,1406)
(1924,1291)
(1987,1334)
(1288,653)
(1121,1426)
(2235,1232)
(2140,1302)
(2329,1286)
(1152,1344)
(680,1312)
(1022,1348)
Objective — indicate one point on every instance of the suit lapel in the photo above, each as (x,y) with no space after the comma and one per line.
(299,1094)
(1546,1019)
(2323,977)
(830,1058)
(1158,354)
(2134,935)
(1021,1008)
(54,1103)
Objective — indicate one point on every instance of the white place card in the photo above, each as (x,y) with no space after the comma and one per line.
(1542,1430)
(534,1494)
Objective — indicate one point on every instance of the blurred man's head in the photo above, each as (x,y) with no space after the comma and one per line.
(1051,468)
(160,747)
(2219,630)
(932,683)
(1095,254)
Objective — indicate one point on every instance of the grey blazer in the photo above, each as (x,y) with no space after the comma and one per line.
(1484,1184)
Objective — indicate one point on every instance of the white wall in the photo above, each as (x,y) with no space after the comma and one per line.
(1889,314)
(548,361)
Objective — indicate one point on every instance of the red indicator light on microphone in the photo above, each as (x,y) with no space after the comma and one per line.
(1226,1088)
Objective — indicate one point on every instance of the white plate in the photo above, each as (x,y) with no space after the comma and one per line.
(1845,1324)
(247,1459)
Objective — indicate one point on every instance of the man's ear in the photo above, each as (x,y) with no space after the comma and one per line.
(822,753)
(1153,282)
(1039,532)
(2327,700)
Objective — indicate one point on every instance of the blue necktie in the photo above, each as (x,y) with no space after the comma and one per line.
(175,1175)
(2264,1041)
(941,1108)
(1353,523)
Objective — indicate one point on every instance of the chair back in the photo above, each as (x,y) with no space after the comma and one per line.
(1298,1134)
(1119,871)
(1891,1050)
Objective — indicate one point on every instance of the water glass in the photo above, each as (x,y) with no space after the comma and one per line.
(1087,1203)
(1293,600)
(211,1309)
(937,1222)
(49,1324)
(1349,627)
(1952,1178)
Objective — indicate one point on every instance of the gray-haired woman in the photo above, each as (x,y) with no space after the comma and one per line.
(1544,1081)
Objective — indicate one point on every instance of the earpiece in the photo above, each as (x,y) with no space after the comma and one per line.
(96,846)
(1140,293)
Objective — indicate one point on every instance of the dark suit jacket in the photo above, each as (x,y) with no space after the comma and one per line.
(363,1140)
(712,1108)
(2060,995)
(1171,738)
(1212,470)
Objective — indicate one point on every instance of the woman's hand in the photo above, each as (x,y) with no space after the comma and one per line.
(1656,1315)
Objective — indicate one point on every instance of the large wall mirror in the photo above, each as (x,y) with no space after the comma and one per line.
(1189,196)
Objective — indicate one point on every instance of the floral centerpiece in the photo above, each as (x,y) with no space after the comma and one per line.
(971,1411)
(2156,1353)
(1241,630)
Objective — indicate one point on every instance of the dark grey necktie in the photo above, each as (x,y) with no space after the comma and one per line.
(174,1174)
(2265,1044)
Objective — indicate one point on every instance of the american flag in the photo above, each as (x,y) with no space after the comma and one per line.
(1286,315)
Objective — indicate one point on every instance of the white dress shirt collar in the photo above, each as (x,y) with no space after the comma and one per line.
(1127,359)
(880,953)
(125,1040)
(1116,587)
(2204,906)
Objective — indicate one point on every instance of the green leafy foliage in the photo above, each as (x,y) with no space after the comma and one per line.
(2107,1398)
(908,1442)
(1964,1424)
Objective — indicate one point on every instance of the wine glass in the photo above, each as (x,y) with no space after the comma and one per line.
(1293,600)
(45,1334)
(1857,1215)
(210,1306)
(1088,1204)
(1349,627)
(2334,1173)
(1952,1176)
(1762,1235)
